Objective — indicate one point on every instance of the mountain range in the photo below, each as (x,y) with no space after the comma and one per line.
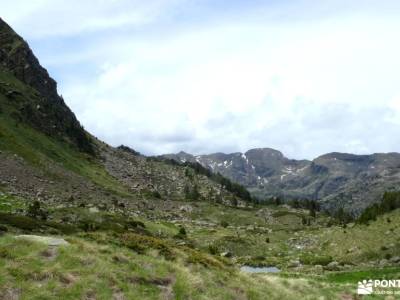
(80,219)
(38,129)
(335,179)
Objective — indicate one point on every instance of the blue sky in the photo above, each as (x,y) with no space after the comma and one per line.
(162,76)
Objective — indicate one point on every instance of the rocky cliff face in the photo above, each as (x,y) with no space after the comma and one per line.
(47,111)
(335,179)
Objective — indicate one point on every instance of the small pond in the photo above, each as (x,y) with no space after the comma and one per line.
(250,269)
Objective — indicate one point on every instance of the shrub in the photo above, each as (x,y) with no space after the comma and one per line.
(136,224)
(156,194)
(224,224)
(6,253)
(88,225)
(315,260)
(342,216)
(191,192)
(213,249)
(182,231)
(141,243)
(390,201)
(35,211)
(196,257)
(22,222)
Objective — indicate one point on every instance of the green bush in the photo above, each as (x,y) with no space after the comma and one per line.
(142,243)
(322,260)
(212,249)
(22,222)
(35,211)
(182,231)
(224,224)
(390,201)
(192,192)
(196,257)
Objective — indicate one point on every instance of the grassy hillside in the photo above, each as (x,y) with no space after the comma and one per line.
(141,228)
(113,256)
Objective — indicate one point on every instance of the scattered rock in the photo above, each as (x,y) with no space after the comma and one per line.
(94,210)
(118,295)
(395,259)
(120,259)
(226,254)
(67,278)
(383,262)
(186,208)
(294,264)
(50,253)
(333,266)
(10,294)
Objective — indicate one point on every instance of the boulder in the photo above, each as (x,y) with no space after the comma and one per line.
(226,254)
(48,240)
(333,266)
(186,208)
(395,259)
(294,264)
(383,262)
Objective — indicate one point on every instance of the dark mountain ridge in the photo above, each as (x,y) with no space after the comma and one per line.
(335,179)
(46,111)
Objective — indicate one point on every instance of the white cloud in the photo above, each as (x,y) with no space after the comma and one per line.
(302,80)
(47,18)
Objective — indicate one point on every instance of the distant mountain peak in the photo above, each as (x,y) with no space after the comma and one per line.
(336,179)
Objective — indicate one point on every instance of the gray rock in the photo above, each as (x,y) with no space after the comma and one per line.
(318,269)
(395,259)
(333,266)
(383,262)
(226,254)
(48,240)
(294,264)
(186,208)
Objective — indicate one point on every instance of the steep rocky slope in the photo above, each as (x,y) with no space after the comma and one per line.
(335,179)
(45,109)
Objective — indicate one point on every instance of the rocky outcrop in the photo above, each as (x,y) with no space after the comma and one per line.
(44,108)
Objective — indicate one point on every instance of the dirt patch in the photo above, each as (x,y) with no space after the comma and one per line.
(153,281)
(10,294)
(50,253)
(67,279)
(118,295)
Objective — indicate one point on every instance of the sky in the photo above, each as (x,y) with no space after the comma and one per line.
(301,76)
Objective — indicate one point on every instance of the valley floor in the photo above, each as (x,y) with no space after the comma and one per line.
(194,252)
